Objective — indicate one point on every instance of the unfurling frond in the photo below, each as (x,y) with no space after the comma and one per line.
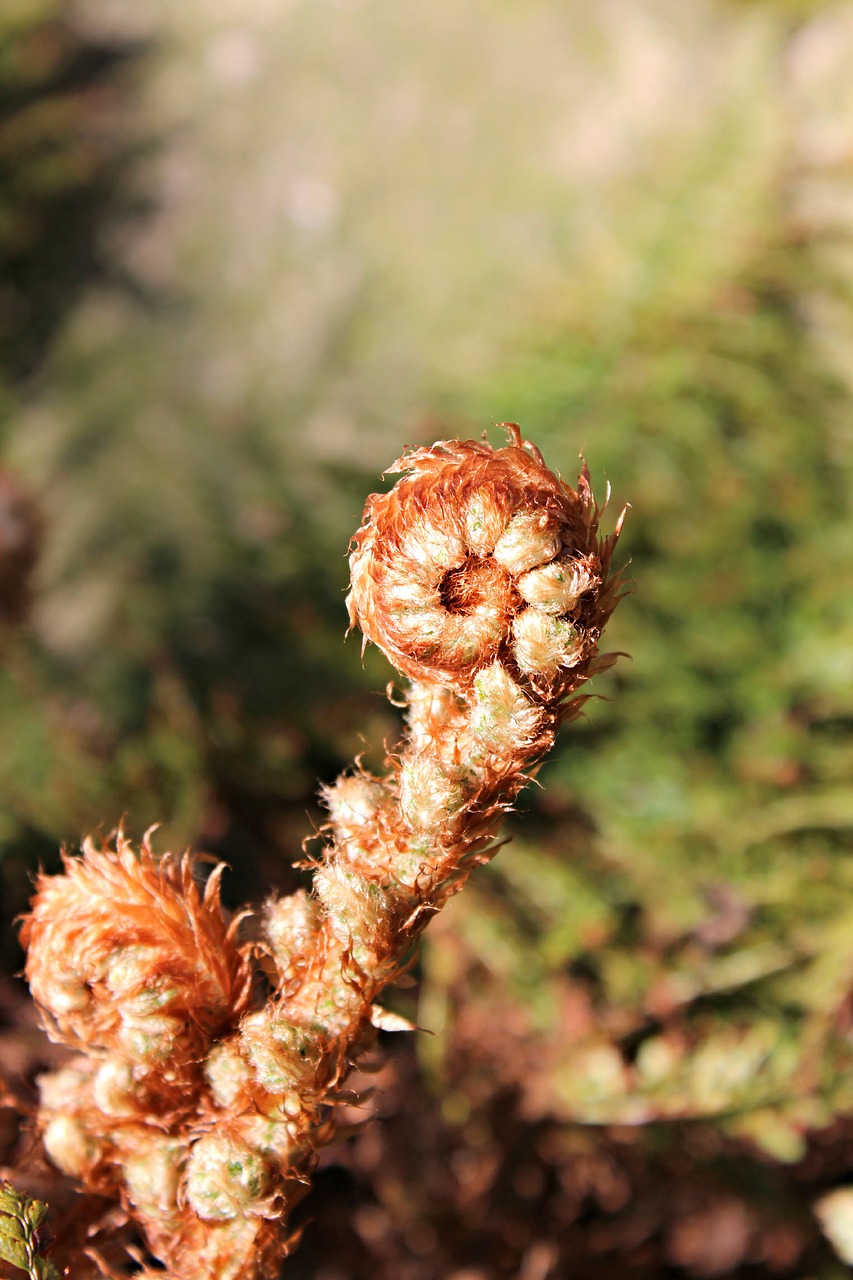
(482,576)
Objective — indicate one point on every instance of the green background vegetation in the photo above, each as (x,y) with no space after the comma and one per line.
(247,252)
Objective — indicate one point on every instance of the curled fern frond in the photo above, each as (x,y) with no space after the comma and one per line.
(196,1101)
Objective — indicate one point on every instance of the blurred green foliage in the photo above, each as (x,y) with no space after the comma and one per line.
(62,148)
(679,934)
(237,250)
(184,663)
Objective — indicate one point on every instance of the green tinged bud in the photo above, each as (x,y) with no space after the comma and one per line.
(353,802)
(358,909)
(429,796)
(290,925)
(227,1073)
(503,718)
(284,1056)
(149,1040)
(542,643)
(114,1088)
(69,1146)
(226,1178)
(528,540)
(555,587)
(153,1177)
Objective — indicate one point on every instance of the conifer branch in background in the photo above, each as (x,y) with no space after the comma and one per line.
(201,1104)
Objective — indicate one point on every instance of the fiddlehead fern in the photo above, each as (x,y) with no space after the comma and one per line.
(483,578)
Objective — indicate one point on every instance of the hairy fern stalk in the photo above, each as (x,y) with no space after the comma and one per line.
(194,1101)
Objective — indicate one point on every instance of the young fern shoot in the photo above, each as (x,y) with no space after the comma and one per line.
(199,1105)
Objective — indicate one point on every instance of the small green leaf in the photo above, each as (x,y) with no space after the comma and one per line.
(14,1228)
(44,1270)
(20,1219)
(9,1198)
(35,1214)
(13,1248)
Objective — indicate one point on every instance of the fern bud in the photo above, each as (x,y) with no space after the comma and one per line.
(430,795)
(284,1056)
(542,643)
(152,1175)
(358,909)
(148,1040)
(531,538)
(503,718)
(290,927)
(556,587)
(353,802)
(226,1178)
(115,1090)
(228,1074)
(70,1146)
